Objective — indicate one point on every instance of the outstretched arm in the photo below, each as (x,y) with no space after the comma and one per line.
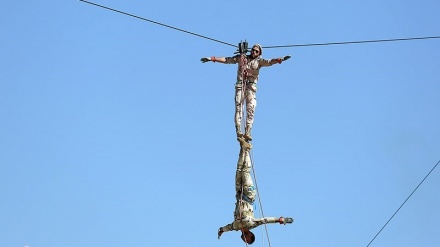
(213,59)
(278,60)
(227,228)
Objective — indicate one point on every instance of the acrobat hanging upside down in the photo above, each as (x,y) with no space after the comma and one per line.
(244,219)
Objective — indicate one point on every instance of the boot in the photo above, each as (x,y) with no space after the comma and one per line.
(247,134)
(244,144)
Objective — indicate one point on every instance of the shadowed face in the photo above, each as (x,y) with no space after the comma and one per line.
(255,52)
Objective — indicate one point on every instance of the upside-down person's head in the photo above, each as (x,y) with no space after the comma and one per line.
(247,236)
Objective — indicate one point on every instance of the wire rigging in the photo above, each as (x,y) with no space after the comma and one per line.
(403,203)
(155,22)
(352,42)
(243,72)
(289,46)
(259,198)
(266,47)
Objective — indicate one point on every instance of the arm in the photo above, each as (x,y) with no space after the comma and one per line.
(227,228)
(273,61)
(219,59)
(227,60)
(213,59)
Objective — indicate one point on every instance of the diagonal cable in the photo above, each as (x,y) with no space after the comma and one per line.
(259,198)
(403,204)
(155,22)
(266,47)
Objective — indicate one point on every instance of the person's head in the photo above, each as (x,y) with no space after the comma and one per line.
(256,50)
(247,236)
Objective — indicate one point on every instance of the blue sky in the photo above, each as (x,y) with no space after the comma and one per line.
(113,133)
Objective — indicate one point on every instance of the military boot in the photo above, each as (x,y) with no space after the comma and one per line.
(244,144)
(247,134)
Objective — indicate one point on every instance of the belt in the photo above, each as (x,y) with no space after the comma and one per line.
(249,82)
(247,199)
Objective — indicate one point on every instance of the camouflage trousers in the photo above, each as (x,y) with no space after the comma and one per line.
(244,187)
(248,96)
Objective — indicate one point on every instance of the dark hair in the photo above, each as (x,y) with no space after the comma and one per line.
(252,238)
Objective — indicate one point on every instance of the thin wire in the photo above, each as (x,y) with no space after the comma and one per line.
(352,42)
(266,47)
(243,122)
(403,203)
(158,23)
(259,198)
(241,201)
(243,102)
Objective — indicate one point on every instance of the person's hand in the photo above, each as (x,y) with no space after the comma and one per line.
(205,59)
(286,57)
(220,232)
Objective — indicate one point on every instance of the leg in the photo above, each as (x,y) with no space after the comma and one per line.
(238,108)
(244,184)
(238,175)
(251,104)
(244,187)
(268,220)
(248,183)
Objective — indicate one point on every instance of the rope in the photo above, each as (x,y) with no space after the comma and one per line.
(259,198)
(243,63)
(352,42)
(243,154)
(243,72)
(403,204)
(266,47)
(155,22)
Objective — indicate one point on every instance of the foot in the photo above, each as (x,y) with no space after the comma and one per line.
(244,144)
(247,136)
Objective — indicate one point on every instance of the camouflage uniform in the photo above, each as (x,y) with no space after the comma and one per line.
(245,195)
(253,66)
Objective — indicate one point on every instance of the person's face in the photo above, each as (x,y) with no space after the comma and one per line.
(255,51)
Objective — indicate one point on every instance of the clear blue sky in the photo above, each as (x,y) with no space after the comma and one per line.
(113,133)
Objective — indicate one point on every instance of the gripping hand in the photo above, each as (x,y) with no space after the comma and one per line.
(220,232)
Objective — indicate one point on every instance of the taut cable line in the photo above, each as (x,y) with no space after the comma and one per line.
(265,47)
(259,198)
(403,203)
(352,42)
(155,22)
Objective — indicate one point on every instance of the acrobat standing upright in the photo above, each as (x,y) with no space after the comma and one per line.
(246,83)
